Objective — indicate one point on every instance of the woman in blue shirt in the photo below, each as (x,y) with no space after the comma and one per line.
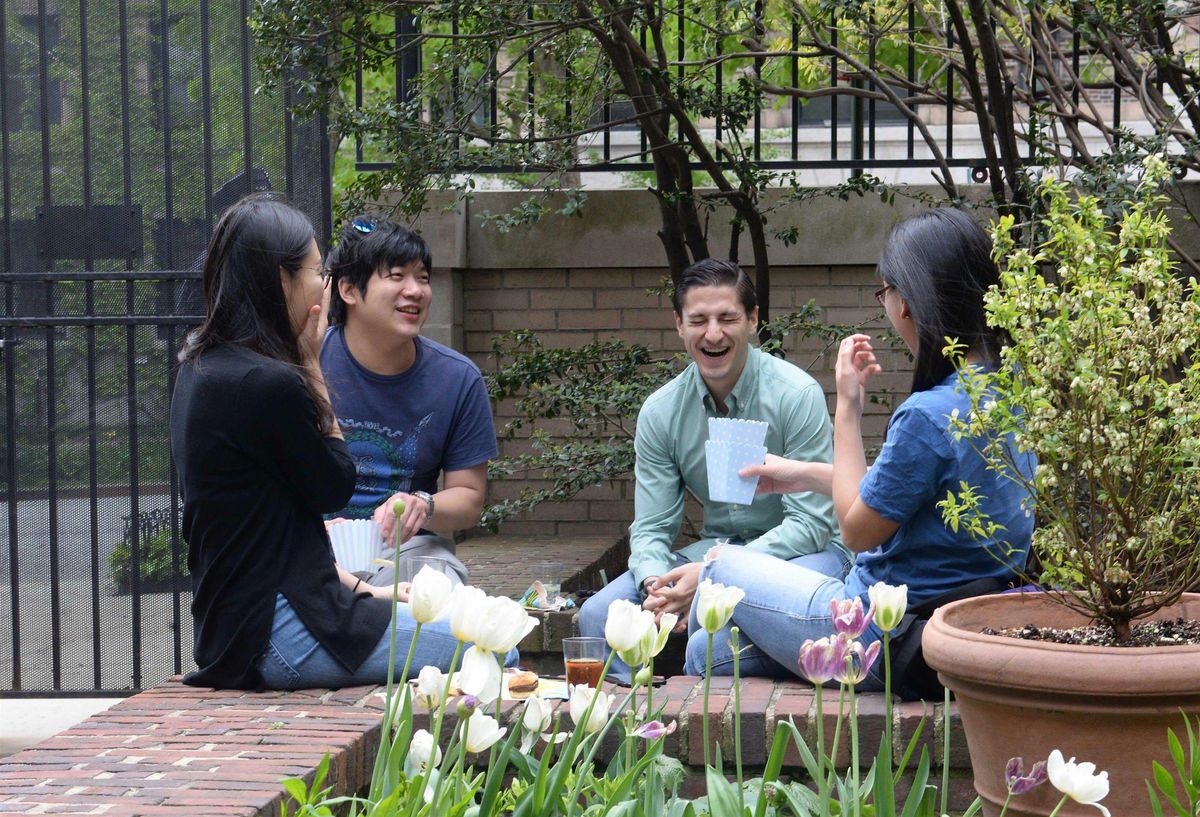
(936,267)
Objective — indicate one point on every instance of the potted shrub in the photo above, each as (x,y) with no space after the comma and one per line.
(1100,382)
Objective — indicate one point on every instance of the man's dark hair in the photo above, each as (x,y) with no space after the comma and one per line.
(940,262)
(359,255)
(715,272)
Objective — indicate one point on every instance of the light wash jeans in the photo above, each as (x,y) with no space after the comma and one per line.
(786,604)
(295,660)
(594,612)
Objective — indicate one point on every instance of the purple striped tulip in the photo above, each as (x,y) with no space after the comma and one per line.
(1018,782)
(849,618)
(820,660)
(857,661)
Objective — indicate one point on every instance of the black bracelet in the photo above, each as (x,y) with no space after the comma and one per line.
(356,584)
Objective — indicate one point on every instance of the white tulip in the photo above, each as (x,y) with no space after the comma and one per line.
(535,720)
(466,611)
(1079,781)
(652,642)
(420,749)
(715,603)
(431,683)
(429,598)
(482,731)
(503,624)
(890,604)
(480,675)
(537,715)
(626,624)
(581,697)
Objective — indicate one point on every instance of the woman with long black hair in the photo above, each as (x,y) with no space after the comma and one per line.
(260,457)
(936,267)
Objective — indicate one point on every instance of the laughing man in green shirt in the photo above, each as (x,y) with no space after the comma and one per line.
(716,315)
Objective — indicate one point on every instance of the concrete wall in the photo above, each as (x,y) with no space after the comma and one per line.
(575,280)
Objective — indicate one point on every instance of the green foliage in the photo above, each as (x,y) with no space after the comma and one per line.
(1100,383)
(562,778)
(592,393)
(156,563)
(578,407)
(1185,803)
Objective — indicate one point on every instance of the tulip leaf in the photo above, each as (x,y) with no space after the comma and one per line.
(626,783)
(773,768)
(885,792)
(722,796)
(811,764)
(918,792)
(902,767)
(799,799)
(495,773)
(975,807)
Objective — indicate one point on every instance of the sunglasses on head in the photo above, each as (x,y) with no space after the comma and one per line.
(363,224)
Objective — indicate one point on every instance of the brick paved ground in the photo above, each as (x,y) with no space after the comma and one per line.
(174,750)
(507,565)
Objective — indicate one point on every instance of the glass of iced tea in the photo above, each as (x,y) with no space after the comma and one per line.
(584,658)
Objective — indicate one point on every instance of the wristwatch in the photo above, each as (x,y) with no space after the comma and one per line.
(422,495)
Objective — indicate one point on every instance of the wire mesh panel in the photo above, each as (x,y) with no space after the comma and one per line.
(126,128)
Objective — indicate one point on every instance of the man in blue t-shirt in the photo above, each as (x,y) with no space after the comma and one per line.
(411,409)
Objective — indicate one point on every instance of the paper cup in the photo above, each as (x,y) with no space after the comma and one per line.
(724,460)
(356,544)
(734,430)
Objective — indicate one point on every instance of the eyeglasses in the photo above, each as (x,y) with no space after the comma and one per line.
(881,292)
(363,224)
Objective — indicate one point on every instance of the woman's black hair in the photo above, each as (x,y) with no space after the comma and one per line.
(940,263)
(366,246)
(714,272)
(253,240)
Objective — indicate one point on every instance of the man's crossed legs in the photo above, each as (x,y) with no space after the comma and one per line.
(832,562)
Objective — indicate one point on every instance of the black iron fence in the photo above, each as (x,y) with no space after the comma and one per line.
(824,103)
(126,128)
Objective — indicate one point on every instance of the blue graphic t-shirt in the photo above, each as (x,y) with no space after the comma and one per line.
(404,430)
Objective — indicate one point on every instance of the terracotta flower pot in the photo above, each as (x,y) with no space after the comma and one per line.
(1108,705)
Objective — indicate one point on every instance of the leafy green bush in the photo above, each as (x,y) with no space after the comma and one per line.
(156,563)
(592,395)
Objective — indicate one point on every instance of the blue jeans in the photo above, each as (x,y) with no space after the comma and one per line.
(786,604)
(295,660)
(594,612)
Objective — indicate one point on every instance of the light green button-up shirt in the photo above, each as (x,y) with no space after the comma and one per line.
(672,428)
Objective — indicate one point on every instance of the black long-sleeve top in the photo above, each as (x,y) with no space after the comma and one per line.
(256,474)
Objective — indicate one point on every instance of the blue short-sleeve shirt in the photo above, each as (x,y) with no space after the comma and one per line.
(405,430)
(919,464)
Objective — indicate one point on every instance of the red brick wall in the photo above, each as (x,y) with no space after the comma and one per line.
(572,307)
